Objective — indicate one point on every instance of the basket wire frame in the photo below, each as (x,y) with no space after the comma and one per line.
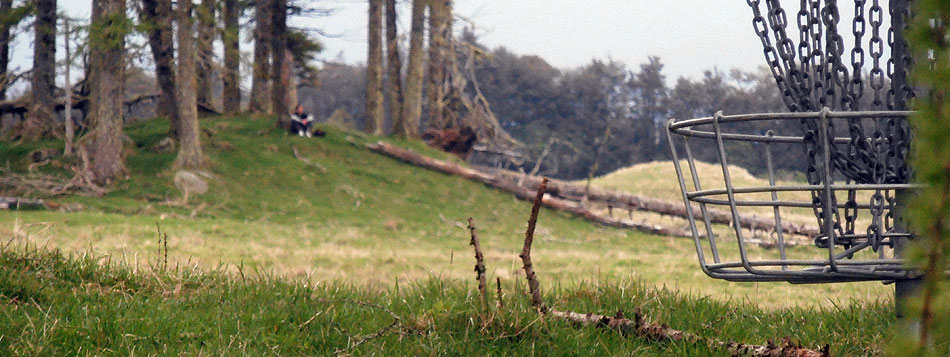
(838,257)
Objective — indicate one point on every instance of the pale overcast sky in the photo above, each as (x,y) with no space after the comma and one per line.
(690,36)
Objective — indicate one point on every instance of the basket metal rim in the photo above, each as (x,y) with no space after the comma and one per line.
(676,125)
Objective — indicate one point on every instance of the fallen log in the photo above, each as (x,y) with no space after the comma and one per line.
(637,203)
(523,193)
(17,203)
(571,207)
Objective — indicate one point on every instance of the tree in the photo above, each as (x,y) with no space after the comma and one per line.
(205,15)
(394,70)
(439,27)
(260,87)
(278,57)
(649,108)
(6,24)
(106,77)
(159,17)
(39,120)
(374,77)
(189,148)
(412,107)
(232,57)
(68,33)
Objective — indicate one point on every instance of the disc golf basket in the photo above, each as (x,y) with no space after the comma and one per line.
(847,129)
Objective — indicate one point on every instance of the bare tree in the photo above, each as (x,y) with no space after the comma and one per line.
(374,77)
(189,151)
(158,14)
(394,71)
(39,119)
(260,87)
(205,58)
(232,57)
(278,47)
(106,78)
(412,107)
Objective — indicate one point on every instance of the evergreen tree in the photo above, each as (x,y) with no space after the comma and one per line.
(189,149)
(373,124)
(106,80)
(39,119)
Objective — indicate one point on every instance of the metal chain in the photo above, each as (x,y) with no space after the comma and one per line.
(819,77)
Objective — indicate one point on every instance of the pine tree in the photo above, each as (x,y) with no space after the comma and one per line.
(106,77)
(232,57)
(412,108)
(39,120)
(260,86)
(189,148)
(278,56)
(374,70)
(158,15)
(394,70)
(205,55)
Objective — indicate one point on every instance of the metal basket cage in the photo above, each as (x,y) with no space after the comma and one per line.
(867,249)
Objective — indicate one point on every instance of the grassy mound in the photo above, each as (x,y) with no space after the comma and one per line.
(56,305)
(367,219)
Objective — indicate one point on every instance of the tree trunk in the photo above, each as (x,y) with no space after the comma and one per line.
(106,72)
(68,91)
(189,151)
(278,57)
(412,107)
(39,119)
(232,57)
(5,6)
(159,14)
(260,88)
(394,71)
(205,59)
(289,81)
(374,71)
(435,90)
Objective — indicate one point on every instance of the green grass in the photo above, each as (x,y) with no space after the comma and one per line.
(51,304)
(369,220)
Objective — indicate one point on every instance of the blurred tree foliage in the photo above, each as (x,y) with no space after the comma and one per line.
(535,101)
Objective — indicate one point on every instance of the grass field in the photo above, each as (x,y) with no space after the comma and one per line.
(276,243)
(85,305)
(368,220)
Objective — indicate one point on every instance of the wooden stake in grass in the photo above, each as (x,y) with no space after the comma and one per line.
(525,255)
(639,326)
(479,261)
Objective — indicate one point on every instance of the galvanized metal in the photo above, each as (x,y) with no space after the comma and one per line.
(854,141)
(843,255)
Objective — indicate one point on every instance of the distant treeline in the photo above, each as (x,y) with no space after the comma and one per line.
(536,102)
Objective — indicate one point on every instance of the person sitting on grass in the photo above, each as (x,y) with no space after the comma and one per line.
(301,122)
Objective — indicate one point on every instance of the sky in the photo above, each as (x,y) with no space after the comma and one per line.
(690,36)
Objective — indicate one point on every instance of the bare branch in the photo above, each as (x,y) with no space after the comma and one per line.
(525,255)
(479,261)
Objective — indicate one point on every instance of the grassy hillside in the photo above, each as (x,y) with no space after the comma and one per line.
(367,220)
(658,179)
(54,305)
